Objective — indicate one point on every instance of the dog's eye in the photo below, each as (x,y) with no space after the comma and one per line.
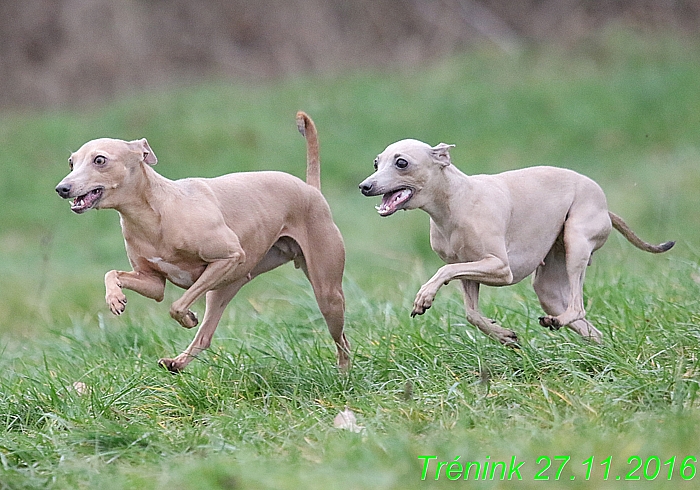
(100,160)
(376,163)
(401,163)
(70,164)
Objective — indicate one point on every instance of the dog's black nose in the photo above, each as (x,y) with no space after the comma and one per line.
(63,190)
(366,188)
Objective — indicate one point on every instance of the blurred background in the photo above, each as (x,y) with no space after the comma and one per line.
(68,52)
(610,88)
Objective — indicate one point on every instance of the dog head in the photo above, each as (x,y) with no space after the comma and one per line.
(402,171)
(100,169)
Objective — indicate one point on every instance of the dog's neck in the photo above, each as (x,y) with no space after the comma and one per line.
(142,214)
(447,189)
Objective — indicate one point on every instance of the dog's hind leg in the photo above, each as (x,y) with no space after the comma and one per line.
(470,289)
(323,264)
(586,229)
(552,286)
(216,301)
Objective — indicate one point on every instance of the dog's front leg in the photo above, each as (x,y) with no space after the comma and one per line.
(217,273)
(148,285)
(490,270)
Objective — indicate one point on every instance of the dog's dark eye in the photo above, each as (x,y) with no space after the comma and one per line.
(401,163)
(376,163)
(100,160)
(70,164)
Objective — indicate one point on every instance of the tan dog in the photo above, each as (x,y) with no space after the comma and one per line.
(498,229)
(211,236)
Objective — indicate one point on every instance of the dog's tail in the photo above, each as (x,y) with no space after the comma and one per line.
(620,225)
(313,165)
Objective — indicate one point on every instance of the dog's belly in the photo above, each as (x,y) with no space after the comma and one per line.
(528,246)
(525,256)
(523,267)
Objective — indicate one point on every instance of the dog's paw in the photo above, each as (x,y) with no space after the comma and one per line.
(418,311)
(344,365)
(550,322)
(176,365)
(187,319)
(116,302)
(171,365)
(509,339)
(424,300)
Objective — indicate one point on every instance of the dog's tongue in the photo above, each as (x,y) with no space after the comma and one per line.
(392,200)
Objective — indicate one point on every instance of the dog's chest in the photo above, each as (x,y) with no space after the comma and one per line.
(443,249)
(451,246)
(447,255)
(176,275)
(180,269)
(176,270)
(441,245)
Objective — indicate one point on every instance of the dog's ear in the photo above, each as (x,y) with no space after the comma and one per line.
(441,154)
(142,146)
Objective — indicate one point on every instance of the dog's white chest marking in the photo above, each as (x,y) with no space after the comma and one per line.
(176,275)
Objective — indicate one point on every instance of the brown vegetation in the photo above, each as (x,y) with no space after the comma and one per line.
(70,51)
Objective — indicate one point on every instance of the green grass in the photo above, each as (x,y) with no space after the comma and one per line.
(257,409)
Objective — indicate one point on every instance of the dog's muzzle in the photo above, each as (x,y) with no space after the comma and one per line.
(392,201)
(63,190)
(82,202)
(367,188)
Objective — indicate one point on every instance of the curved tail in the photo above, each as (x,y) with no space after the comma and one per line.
(620,225)
(313,165)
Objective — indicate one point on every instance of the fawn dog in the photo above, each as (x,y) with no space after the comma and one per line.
(498,229)
(211,236)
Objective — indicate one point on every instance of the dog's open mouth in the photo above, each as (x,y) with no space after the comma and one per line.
(87,201)
(393,201)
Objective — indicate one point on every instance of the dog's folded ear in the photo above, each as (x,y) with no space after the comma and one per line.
(441,153)
(142,146)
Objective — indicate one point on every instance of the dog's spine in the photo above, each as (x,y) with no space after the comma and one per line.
(313,165)
(620,225)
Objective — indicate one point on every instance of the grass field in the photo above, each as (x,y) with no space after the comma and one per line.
(257,410)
